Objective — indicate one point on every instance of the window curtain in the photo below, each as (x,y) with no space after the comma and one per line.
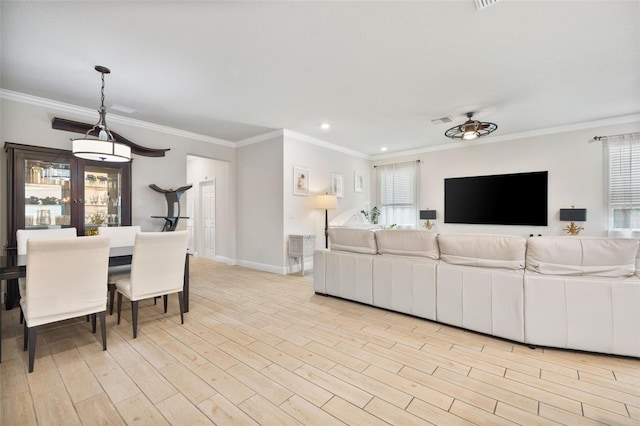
(397,191)
(622,186)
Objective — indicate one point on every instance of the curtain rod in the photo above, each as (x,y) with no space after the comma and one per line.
(599,138)
(417,161)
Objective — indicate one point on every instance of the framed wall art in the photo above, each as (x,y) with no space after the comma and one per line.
(358,181)
(300,181)
(337,185)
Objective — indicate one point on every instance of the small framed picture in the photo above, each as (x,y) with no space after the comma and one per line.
(301,181)
(358,182)
(337,185)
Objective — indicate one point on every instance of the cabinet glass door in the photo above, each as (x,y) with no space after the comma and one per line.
(47,193)
(102,198)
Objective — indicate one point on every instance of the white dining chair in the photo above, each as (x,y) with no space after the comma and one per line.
(121,236)
(157,269)
(65,279)
(22,235)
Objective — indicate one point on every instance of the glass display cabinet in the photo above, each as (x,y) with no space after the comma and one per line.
(50,188)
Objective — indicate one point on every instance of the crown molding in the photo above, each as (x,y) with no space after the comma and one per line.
(260,138)
(113,118)
(324,144)
(300,137)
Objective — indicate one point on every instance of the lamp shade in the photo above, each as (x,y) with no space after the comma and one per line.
(427,214)
(327,201)
(101,150)
(573,215)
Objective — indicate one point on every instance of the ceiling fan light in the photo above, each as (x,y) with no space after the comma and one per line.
(467,136)
(470,129)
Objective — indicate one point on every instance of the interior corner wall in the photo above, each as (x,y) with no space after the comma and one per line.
(30,124)
(573,160)
(259,206)
(301,217)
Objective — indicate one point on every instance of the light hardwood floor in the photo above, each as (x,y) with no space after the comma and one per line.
(259,348)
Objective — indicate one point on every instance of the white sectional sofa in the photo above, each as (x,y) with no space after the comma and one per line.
(566,292)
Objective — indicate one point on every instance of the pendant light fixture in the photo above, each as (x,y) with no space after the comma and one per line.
(103,147)
(471,129)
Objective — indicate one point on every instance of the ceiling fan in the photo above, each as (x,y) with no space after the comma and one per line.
(471,129)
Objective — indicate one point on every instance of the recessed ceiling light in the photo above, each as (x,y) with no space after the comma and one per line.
(384,148)
(325,126)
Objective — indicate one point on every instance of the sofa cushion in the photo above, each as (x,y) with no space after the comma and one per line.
(408,243)
(604,257)
(489,251)
(353,240)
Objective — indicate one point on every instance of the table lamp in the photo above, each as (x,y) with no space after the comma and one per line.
(573,215)
(428,215)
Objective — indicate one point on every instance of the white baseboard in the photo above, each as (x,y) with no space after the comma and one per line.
(224,259)
(263,267)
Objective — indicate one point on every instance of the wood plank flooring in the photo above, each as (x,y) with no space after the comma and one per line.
(259,348)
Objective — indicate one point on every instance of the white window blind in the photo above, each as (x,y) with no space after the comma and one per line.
(397,186)
(622,155)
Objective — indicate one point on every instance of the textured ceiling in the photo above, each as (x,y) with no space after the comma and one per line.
(379,72)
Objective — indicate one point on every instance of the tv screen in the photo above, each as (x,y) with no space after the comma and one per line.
(509,199)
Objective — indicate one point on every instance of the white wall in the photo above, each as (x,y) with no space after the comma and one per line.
(259,205)
(575,176)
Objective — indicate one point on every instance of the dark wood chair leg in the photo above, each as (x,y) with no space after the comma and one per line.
(25,338)
(93,323)
(103,329)
(112,293)
(166,302)
(33,332)
(134,316)
(21,316)
(181,302)
(119,306)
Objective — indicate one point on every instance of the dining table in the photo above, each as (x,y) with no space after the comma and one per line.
(14,266)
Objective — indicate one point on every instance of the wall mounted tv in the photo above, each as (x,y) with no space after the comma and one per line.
(509,199)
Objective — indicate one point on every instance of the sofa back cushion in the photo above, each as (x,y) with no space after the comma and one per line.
(489,251)
(605,257)
(353,240)
(407,242)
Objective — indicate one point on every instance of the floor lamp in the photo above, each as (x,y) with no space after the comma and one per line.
(326,202)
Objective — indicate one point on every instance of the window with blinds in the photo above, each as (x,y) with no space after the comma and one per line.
(397,186)
(623,157)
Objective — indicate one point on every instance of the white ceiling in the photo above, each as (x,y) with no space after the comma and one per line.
(379,72)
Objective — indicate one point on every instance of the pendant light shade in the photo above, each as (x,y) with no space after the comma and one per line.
(471,129)
(102,147)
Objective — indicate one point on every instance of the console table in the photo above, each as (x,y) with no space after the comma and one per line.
(301,246)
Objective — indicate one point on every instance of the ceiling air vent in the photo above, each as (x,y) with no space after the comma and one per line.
(481,4)
(443,120)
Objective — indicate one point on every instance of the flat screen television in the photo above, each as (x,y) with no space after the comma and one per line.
(509,199)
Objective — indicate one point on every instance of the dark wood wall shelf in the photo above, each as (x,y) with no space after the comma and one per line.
(78,127)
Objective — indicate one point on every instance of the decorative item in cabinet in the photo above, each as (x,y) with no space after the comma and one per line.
(301,246)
